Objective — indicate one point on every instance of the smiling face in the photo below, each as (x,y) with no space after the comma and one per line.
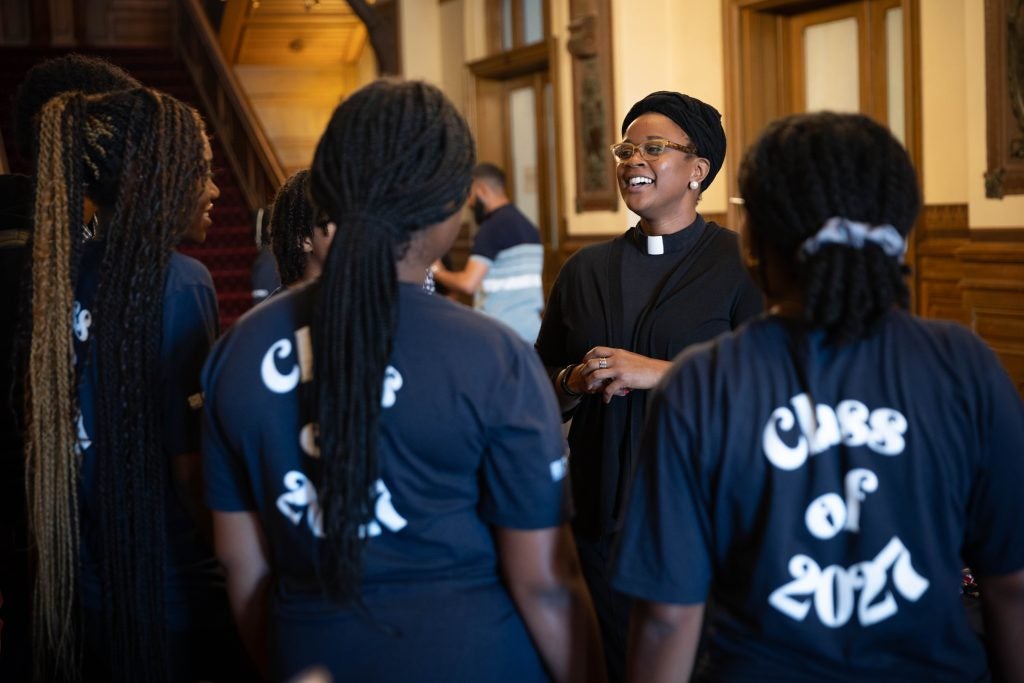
(658,190)
(209,191)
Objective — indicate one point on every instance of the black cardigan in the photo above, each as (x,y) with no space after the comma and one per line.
(707,293)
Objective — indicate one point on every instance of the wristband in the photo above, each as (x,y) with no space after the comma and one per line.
(564,382)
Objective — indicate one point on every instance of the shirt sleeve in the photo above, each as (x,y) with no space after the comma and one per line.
(664,549)
(190,325)
(995,513)
(225,475)
(525,467)
(486,244)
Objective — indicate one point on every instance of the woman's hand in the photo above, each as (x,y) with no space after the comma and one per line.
(616,372)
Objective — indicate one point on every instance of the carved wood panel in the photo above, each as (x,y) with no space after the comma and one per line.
(590,45)
(1004,96)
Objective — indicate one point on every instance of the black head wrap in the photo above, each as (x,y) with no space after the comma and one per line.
(699,120)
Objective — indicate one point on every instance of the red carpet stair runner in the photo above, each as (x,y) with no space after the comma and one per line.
(229,249)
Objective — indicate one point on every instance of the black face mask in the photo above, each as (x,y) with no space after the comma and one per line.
(479,212)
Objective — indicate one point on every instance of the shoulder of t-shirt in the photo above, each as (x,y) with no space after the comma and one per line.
(960,346)
(757,338)
(473,327)
(505,228)
(185,271)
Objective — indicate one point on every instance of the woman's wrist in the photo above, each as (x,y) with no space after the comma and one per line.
(563,381)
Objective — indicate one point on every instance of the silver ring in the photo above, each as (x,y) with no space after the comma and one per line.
(602,363)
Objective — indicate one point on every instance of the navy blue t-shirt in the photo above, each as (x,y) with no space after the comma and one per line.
(469,437)
(189,330)
(828,498)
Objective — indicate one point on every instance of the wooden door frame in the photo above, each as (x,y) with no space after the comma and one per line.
(758,78)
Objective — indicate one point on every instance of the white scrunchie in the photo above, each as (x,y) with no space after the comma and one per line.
(838,230)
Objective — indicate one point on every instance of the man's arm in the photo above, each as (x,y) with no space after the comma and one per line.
(466,281)
(663,641)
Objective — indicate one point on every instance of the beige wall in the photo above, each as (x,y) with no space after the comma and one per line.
(421,36)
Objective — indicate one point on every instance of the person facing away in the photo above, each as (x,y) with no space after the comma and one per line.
(386,467)
(299,238)
(126,586)
(820,477)
(503,273)
(620,310)
(41,83)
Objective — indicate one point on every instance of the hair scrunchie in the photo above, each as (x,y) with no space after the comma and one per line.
(844,232)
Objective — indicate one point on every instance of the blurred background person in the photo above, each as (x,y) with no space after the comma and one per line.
(503,273)
(299,238)
(620,310)
(821,476)
(386,467)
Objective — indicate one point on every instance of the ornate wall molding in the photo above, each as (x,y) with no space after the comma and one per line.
(1004,95)
(593,101)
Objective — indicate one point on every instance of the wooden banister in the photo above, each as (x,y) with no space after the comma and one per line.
(256,165)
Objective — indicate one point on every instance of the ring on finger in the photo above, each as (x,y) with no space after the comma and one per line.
(602,363)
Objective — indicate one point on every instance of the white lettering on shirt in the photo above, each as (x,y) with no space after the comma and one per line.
(392,383)
(822,427)
(83,441)
(832,590)
(81,321)
(301,370)
(300,499)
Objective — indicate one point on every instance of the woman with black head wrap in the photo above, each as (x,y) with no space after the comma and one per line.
(386,467)
(825,472)
(621,310)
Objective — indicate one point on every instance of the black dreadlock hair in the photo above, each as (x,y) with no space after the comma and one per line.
(46,80)
(139,155)
(292,220)
(808,168)
(412,169)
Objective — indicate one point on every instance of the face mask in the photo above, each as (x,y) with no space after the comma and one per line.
(479,212)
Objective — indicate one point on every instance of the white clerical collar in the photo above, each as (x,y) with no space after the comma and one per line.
(655,245)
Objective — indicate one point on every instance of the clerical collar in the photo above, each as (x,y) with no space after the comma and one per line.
(656,245)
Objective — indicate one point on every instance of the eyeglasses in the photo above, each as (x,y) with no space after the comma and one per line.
(649,149)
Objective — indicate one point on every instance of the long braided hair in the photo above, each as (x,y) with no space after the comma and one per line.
(139,155)
(396,157)
(292,219)
(808,168)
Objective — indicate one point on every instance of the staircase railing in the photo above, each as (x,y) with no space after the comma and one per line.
(256,165)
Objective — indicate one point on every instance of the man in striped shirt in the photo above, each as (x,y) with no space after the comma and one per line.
(503,273)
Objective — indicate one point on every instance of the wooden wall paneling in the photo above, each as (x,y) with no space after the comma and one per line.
(937,272)
(15,22)
(124,23)
(993,289)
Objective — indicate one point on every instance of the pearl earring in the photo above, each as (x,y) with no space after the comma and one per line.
(694,185)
